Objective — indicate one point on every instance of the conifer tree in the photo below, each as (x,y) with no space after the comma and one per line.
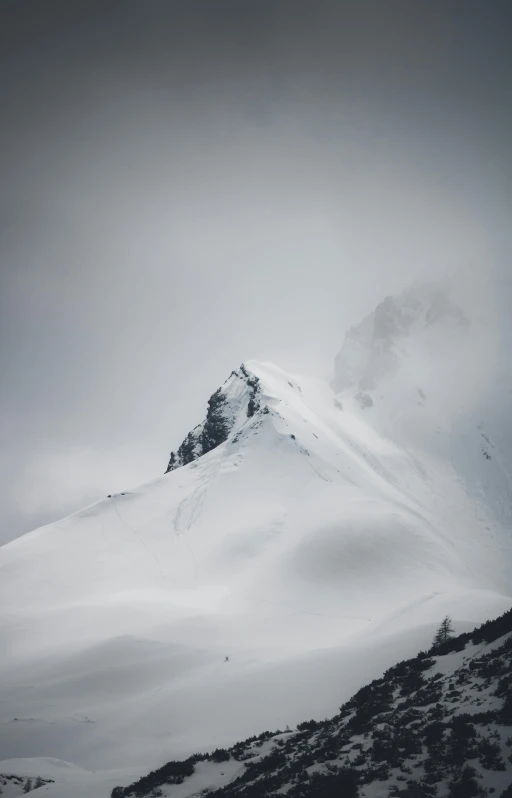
(444,633)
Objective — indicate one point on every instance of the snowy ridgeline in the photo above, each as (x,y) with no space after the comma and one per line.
(436,725)
(301,543)
(12,785)
(428,367)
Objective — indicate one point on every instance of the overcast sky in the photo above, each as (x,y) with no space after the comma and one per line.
(185,185)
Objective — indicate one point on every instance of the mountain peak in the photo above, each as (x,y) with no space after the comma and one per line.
(228,409)
(373,349)
(299,541)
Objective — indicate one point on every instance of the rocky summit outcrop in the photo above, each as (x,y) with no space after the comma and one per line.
(237,398)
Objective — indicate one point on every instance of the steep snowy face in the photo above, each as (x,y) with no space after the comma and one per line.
(425,370)
(291,533)
(228,408)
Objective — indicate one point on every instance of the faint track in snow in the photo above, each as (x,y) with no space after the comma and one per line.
(149,551)
(307,457)
(193,504)
(317,472)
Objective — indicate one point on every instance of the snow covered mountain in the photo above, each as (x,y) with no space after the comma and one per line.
(428,369)
(300,541)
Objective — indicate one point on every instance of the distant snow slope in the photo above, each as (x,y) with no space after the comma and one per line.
(311,545)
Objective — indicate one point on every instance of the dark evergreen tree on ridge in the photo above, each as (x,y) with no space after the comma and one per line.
(444,633)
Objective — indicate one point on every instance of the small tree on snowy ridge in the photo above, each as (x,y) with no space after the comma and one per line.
(444,633)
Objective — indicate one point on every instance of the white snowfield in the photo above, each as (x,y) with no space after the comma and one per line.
(258,586)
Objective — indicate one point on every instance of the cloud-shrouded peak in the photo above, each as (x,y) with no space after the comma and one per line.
(372,349)
(430,350)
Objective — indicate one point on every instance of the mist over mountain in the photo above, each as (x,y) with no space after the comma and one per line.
(303,537)
(430,367)
(255,428)
(185,186)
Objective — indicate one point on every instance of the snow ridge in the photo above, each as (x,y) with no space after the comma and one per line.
(305,538)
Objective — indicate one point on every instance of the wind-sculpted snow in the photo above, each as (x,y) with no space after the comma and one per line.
(296,555)
(426,370)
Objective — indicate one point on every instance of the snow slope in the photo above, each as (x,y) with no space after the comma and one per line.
(307,547)
(429,369)
(436,725)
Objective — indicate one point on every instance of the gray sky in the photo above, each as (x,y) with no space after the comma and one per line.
(185,185)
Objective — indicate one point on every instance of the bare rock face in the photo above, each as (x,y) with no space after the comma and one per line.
(237,398)
(364,399)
